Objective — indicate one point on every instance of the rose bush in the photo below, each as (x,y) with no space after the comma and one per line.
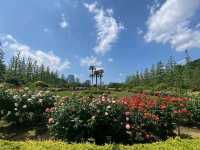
(194,108)
(141,118)
(24,106)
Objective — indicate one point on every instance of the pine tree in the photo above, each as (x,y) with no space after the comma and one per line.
(160,70)
(2,65)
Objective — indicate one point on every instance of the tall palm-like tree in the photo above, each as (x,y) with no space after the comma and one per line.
(101,72)
(92,68)
(96,74)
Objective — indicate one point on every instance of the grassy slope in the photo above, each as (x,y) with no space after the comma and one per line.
(172,144)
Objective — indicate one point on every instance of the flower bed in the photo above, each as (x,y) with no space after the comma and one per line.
(24,106)
(141,118)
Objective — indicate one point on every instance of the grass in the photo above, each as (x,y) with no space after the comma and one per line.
(116,94)
(171,144)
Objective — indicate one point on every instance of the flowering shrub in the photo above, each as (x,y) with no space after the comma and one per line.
(141,118)
(194,108)
(23,106)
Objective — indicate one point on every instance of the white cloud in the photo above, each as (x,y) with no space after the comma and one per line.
(89,61)
(63,24)
(10,44)
(110,60)
(108,28)
(171,23)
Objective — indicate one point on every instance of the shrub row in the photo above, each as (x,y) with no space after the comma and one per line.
(141,118)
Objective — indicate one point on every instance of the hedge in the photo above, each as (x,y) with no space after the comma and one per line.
(171,144)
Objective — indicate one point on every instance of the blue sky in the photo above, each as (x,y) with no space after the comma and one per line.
(121,36)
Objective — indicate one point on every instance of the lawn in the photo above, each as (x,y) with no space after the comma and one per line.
(171,144)
(116,94)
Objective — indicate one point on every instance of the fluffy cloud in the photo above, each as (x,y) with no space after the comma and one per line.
(89,61)
(108,28)
(171,23)
(63,24)
(9,43)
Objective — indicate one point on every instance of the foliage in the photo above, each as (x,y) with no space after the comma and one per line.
(171,144)
(139,119)
(2,65)
(23,106)
(194,108)
(41,84)
(161,86)
(169,74)
(23,70)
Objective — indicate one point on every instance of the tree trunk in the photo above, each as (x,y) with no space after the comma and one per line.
(100,81)
(96,81)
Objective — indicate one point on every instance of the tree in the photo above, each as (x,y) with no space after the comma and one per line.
(96,75)
(92,68)
(2,65)
(160,70)
(170,68)
(101,72)
(146,76)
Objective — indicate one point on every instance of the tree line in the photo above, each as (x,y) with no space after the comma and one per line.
(170,74)
(21,70)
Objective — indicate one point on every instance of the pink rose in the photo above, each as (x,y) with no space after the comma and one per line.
(127,113)
(128,126)
(51,120)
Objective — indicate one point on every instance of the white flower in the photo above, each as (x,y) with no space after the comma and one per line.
(24,95)
(106,113)
(39,94)
(47,92)
(26,88)
(29,100)
(9,112)
(113,102)
(15,109)
(127,118)
(33,96)
(108,107)
(25,106)
(93,117)
(2,112)
(15,96)
(16,104)
(40,100)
